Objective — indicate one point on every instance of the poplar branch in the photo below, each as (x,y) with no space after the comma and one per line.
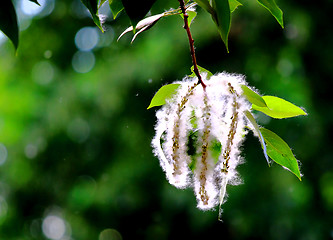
(191,42)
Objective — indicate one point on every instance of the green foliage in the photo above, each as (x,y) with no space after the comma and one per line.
(222,18)
(271,6)
(234,4)
(92,6)
(201,70)
(164,93)
(253,97)
(279,108)
(8,21)
(279,151)
(116,7)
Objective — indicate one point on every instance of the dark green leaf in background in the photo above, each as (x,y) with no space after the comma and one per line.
(279,151)
(8,21)
(137,10)
(116,7)
(222,18)
(92,6)
(271,6)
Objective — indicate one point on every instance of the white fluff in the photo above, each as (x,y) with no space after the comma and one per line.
(218,113)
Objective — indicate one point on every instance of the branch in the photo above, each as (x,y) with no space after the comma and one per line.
(191,41)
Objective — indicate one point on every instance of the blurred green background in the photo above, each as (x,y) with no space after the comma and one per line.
(75,154)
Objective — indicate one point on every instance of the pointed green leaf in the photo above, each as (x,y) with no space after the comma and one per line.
(165,92)
(35,1)
(257,133)
(8,21)
(253,97)
(222,19)
(137,10)
(279,151)
(92,7)
(201,70)
(234,4)
(271,6)
(279,108)
(116,7)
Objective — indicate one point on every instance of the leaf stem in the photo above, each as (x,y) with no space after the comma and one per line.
(191,42)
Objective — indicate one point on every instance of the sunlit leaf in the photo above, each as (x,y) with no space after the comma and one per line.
(279,151)
(92,7)
(116,7)
(234,4)
(222,19)
(8,21)
(201,70)
(164,93)
(137,10)
(257,133)
(271,6)
(253,97)
(279,108)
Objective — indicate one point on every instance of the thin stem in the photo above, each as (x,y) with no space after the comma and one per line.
(191,41)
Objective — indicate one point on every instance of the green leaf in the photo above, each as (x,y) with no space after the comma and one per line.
(92,7)
(201,70)
(116,7)
(257,133)
(205,5)
(165,92)
(191,16)
(35,1)
(222,19)
(137,10)
(279,151)
(279,108)
(253,97)
(234,4)
(271,6)
(8,22)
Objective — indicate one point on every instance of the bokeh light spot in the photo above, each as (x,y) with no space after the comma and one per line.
(54,227)
(43,72)
(31,151)
(78,130)
(86,38)
(110,234)
(83,62)
(3,154)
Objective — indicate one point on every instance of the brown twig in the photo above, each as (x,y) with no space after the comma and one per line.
(191,41)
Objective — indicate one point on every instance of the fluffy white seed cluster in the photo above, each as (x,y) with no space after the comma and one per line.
(198,136)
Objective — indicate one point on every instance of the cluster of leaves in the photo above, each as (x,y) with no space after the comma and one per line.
(220,11)
(274,147)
